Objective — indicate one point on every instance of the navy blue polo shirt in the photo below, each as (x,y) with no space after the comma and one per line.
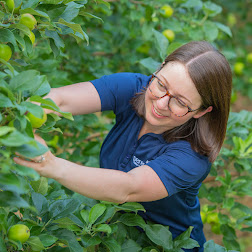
(179,167)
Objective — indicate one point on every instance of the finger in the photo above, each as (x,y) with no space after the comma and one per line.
(36,159)
(30,164)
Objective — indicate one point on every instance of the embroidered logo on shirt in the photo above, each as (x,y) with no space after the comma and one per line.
(138,162)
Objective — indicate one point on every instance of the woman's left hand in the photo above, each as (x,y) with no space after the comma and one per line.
(45,164)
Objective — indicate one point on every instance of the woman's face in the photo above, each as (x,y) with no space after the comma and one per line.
(158,117)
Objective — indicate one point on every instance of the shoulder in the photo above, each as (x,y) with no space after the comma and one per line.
(135,78)
(116,90)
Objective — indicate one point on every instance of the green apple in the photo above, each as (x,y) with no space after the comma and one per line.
(36,122)
(19,232)
(166,11)
(10,4)
(212,217)
(5,52)
(249,58)
(169,34)
(238,68)
(231,19)
(28,20)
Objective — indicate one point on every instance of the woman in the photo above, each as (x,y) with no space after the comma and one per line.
(169,129)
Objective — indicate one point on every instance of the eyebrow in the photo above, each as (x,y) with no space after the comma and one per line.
(179,95)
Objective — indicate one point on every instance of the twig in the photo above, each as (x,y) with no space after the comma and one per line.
(98,134)
(137,2)
(102,54)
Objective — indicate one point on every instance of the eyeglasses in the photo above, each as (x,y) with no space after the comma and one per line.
(175,105)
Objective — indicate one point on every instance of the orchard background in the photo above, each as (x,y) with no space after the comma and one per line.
(52,43)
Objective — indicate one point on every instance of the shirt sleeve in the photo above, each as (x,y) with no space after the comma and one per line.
(116,90)
(180,167)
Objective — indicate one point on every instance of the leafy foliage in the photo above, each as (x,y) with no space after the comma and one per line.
(81,40)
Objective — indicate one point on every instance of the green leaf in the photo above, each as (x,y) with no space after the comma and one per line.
(88,240)
(30,4)
(107,215)
(2,245)
(8,65)
(59,43)
(84,214)
(74,27)
(87,14)
(5,102)
(210,246)
(70,238)
(192,4)
(47,240)
(7,35)
(11,182)
(51,1)
(71,11)
(196,33)
(35,243)
(34,12)
(40,202)
(4,89)
(64,222)
(31,81)
(228,232)
(95,212)
(185,235)
(211,31)
(111,244)
(15,139)
(225,29)
(31,150)
(150,64)
(102,228)
(4,130)
(62,208)
(161,42)
(231,244)
(49,104)
(35,109)
(131,206)
(211,9)
(103,2)
(131,246)
(160,235)
(184,240)
(11,199)
(55,49)
(21,27)
(132,220)
(40,186)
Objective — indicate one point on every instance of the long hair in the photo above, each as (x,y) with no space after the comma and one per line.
(211,74)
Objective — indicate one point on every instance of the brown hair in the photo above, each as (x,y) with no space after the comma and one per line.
(212,76)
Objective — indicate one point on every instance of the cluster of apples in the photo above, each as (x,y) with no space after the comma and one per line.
(26,19)
(167,12)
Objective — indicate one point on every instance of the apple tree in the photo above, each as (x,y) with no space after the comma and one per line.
(51,43)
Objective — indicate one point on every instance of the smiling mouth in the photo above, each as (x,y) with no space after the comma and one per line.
(156,113)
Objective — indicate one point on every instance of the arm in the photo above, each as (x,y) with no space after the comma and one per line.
(79,98)
(140,184)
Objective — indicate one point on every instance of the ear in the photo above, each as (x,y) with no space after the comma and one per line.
(201,113)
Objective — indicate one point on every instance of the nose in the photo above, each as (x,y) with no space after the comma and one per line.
(162,103)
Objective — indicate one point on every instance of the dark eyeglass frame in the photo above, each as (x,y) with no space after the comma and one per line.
(170,95)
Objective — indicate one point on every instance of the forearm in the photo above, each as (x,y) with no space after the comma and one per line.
(97,183)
